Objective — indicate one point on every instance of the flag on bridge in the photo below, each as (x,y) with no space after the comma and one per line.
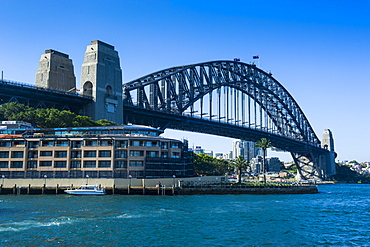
(237,59)
(256,57)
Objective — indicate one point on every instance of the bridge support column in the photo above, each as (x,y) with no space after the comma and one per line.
(309,166)
(101,78)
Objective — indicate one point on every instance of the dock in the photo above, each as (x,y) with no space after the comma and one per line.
(149,187)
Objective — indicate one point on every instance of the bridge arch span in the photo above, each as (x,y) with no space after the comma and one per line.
(221,96)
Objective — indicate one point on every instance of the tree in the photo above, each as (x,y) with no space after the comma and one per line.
(9,111)
(263,144)
(239,163)
(105,122)
(47,118)
(207,165)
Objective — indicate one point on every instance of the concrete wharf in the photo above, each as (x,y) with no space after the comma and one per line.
(168,186)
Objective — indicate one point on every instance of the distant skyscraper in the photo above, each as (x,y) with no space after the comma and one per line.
(256,164)
(246,149)
(273,164)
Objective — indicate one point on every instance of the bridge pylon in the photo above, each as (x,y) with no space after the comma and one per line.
(101,79)
(56,72)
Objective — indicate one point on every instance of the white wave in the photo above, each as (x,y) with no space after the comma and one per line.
(128,216)
(28,224)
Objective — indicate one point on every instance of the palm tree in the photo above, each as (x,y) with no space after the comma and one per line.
(239,163)
(264,144)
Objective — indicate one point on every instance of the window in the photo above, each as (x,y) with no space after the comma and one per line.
(75,154)
(91,143)
(106,143)
(5,144)
(136,163)
(31,164)
(76,144)
(16,164)
(120,164)
(175,145)
(75,164)
(19,143)
(136,153)
(46,153)
(164,154)
(60,154)
(32,154)
(61,143)
(90,164)
(17,154)
(164,145)
(108,91)
(33,144)
(121,154)
(136,143)
(4,154)
(60,164)
(48,143)
(104,153)
(89,154)
(104,163)
(88,88)
(176,155)
(151,143)
(121,144)
(152,154)
(46,163)
(3,164)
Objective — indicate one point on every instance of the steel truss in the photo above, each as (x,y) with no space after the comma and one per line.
(228,93)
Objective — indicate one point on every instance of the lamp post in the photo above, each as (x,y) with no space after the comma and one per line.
(3,177)
(130,176)
(173,182)
(87,179)
(44,187)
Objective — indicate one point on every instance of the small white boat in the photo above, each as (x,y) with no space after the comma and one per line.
(86,190)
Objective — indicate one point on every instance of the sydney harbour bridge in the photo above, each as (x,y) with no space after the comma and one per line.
(224,98)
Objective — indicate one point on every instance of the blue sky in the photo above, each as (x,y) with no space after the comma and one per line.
(318,50)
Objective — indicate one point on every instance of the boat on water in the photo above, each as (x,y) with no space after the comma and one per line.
(86,190)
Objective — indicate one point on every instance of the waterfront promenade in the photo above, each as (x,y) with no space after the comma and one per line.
(164,186)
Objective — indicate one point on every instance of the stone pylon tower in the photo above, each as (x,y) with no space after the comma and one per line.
(56,72)
(101,78)
(328,140)
(328,143)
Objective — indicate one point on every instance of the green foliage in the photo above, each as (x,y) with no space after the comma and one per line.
(345,174)
(239,163)
(263,143)
(207,165)
(47,118)
(105,122)
(9,111)
(293,169)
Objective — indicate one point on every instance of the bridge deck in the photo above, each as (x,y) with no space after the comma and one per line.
(40,97)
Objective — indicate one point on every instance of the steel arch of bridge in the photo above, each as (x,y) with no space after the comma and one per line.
(223,96)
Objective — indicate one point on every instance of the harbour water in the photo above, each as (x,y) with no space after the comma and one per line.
(339,215)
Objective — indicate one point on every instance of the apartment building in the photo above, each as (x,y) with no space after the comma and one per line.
(129,151)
